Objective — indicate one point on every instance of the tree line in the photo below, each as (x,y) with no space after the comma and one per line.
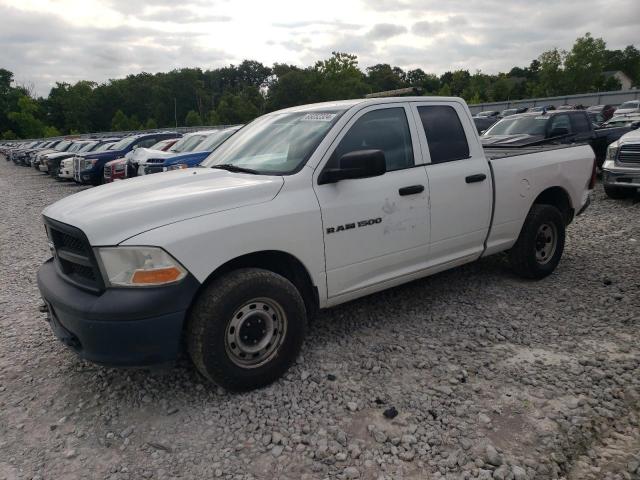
(239,93)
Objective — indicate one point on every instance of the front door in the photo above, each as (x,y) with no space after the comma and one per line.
(375,229)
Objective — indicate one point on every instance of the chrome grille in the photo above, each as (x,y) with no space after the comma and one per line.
(107,171)
(629,153)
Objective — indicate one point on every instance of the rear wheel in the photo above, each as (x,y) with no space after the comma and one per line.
(617,193)
(246,328)
(541,242)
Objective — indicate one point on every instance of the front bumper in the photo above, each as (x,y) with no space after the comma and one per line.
(120,326)
(622,178)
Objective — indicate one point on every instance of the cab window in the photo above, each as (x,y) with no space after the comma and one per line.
(385,129)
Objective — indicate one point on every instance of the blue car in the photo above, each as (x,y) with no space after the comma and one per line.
(89,168)
(190,159)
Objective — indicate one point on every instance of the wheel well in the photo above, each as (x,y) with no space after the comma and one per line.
(281,263)
(559,198)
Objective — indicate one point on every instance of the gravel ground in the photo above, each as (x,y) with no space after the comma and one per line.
(472,373)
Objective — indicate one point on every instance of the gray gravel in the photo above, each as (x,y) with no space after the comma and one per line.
(472,373)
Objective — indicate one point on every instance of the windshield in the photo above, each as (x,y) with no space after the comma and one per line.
(75,147)
(215,139)
(87,146)
(124,143)
(278,143)
(629,105)
(187,144)
(529,125)
(62,146)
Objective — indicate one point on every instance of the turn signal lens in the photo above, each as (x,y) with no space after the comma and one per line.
(129,266)
(155,277)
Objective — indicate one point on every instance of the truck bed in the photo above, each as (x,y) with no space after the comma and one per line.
(494,153)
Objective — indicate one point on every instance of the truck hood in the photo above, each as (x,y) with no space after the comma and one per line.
(111,213)
(140,155)
(632,136)
(510,140)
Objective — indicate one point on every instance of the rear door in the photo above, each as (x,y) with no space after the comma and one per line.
(460,186)
(375,229)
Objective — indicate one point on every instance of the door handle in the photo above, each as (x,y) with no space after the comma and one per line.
(411,190)
(478,177)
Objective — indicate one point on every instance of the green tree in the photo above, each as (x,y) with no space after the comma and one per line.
(120,122)
(9,135)
(584,64)
(151,124)
(51,132)
(192,119)
(550,73)
(25,119)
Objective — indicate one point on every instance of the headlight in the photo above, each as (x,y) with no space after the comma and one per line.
(119,167)
(177,166)
(612,152)
(139,266)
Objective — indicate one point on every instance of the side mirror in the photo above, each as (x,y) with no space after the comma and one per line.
(559,131)
(358,164)
(135,147)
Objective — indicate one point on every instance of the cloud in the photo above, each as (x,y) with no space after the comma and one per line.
(383,31)
(102,39)
(43,49)
(181,15)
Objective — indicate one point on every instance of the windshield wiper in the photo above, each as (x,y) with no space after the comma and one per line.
(235,168)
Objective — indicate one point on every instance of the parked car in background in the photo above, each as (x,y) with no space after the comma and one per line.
(54,161)
(67,166)
(630,120)
(621,170)
(304,208)
(36,157)
(558,126)
(50,160)
(541,108)
(483,123)
(185,144)
(512,111)
(632,106)
(189,159)
(605,110)
(89,168)
(164,145)
(488,114)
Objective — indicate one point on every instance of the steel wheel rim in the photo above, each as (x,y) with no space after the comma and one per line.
(546,243)
(255,332)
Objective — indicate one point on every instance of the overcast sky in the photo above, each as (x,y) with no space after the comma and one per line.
(44,41)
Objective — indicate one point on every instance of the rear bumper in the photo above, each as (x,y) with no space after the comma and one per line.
(622,178)
(121,326)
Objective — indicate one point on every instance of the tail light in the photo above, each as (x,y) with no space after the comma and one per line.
(592,181)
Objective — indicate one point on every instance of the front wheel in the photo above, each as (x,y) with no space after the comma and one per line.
(541,242)
(246,329)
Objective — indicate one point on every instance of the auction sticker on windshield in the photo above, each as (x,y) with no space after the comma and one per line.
(318,117)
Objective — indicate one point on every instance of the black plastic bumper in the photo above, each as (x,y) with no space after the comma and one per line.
(120,326)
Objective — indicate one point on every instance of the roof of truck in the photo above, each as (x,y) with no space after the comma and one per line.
(346,104)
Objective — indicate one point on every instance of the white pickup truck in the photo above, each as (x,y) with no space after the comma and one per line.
(304,208)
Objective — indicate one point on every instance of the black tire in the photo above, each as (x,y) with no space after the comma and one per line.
(617,193)
(527,257)
(210,327)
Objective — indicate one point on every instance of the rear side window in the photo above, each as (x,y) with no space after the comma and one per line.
(385,129)
(580,123)
(445,135)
